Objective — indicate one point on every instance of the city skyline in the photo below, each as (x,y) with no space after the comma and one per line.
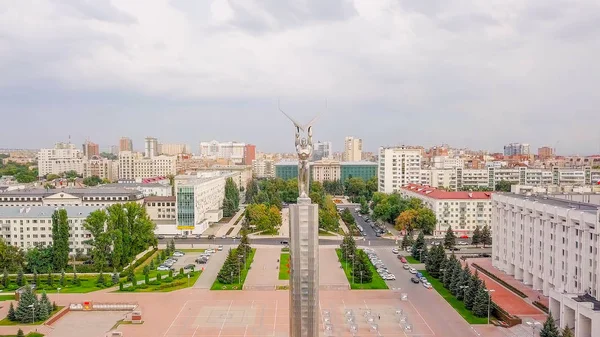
(392,72)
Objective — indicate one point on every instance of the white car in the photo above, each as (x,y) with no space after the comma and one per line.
(210,250)
(463,243)
(220,247)
(395,251)
(162,268)
(427,285)
(390,277)
(178,254)
(412,270)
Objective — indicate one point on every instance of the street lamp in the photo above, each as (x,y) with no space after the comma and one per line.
(420,255)
(534,325)
(32,306)
(352,257)
(489,291)
(361,273)
(58,293)
(464,288)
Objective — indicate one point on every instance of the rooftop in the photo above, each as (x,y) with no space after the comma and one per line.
(435,193)
(563,203)
(73,191)
(132,185)
(358,163)
(589,299)
(45,211)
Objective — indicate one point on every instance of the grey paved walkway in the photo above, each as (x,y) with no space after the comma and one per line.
(96,324)
(211,269)
(225,228)
(264,272)
(331,276)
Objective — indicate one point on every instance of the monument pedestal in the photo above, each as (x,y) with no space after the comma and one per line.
(304,269)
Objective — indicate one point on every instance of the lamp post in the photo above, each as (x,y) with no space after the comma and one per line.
(32,306)
(352,257)
(534,325)
(58,293)
(464,288)
(361,273)
(420,255)
(489,291)
(188,275)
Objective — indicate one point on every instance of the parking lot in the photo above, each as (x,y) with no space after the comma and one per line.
(190,258)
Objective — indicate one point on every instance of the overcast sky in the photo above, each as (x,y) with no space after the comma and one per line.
(473,74)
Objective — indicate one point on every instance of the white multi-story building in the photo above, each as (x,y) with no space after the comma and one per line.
(446,162)
(147,189)
(323,150)
(398,166)
(552,244)
(516,149)
(463,211)
(68,197)
(162,210)
(150,147)
(323,170)
(101,167)
(29,227)
(225,150)
(352,149)
(62,158)
(199,201)
(263,168)
(133,166)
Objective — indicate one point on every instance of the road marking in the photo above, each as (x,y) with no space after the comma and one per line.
(176,317)
(424,321)
(366,306)
(246,330)
(275,321)
(225,320)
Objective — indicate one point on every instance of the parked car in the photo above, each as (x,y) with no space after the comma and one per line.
(178,254)
(463,243)
(220,247)
(454,249)
(162,268)
(198,236)
(412,270)
(177,236)
(395,250)
(406,266)
(403,260)
(189,266)
(414,280)
(427,285)
(201,260)
(464,237)
(160,237)
(209,250)
(211,237)
(423,279)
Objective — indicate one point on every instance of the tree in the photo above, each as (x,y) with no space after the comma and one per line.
(5,279)
(62,278)
(251,190)
(474,286)
(11,257)
(35,277)
(20,278)
(455,279)
(418,246)
(40,259)
(131,277)
(449,267)
(567,332)
(92,181)
(50,279)
(348,246)
(115,277)
(231,201)
(24,313)
(406,220)
(229,209)
(364,206)
(407,240)
(435,261)
(361,270)
(486,236)
(503,186)
(100,280)
(449,239)
(355,187)
(480,304)
(549,329)
(11,313)
(476,239)
(426,220)
(45,303)
(465,279)
(230,270)
(20,332)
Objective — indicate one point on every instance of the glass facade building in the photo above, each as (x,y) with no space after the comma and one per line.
(364,170)
(185,207)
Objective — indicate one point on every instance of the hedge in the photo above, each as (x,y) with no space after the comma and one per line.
(138,262)
(502,282)
(541,306)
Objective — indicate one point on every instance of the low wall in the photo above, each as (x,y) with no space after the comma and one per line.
(57,316)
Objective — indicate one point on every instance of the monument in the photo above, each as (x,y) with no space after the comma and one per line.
(304,245)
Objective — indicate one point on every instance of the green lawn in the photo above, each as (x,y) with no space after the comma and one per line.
(176,284)
(411,259)
(31,334)
(194,250)
(324,233)
(273,232)
(283,269)
(88,284)
(244,272)
(7,297)
(459,306)
(376,283)
(6,321)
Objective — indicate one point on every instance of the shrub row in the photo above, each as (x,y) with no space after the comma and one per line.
(502,282)
(541,306)
(138,262)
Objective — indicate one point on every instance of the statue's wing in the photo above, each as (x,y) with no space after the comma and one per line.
(290,118)
(309,124)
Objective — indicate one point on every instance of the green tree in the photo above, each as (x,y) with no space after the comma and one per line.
(455,279)
(407,240)
(20,332)
(92,181)
(11,257)
(474,285)
(567,332)
(348,247)
(486,236)
(361,270)
(5,279)
(418,246)
(35,277)
(24,313)
(62,278)
(50,279)
(251,190)
(449,239)
(45,303)
(40,259)
(230,270)
(549,329)
(115,277)
(20,277)
(476,239)
(364,206)
(480,304)
(449,267)
(232,193)
(355,187)
(131,277)
(465,279)
(60,239)
(426,220)
(11,313)
(503,186)
(435,260)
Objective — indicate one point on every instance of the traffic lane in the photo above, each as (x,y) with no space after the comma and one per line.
(442,319)
(376,242)
(370,233)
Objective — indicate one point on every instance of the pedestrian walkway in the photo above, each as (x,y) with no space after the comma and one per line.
(264,273)
(222,230)
(331,275)
(284,229)
(533,295)
(507,300)
(211,269)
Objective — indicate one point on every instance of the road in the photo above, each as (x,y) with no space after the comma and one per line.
(429,304)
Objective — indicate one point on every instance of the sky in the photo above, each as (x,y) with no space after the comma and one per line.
(475,74)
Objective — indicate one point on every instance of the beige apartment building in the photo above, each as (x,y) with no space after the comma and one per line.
(352,149)
(323,170)
(161,210)
(133,166)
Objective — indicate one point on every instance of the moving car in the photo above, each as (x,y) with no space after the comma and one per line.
(224,237)
(464,237)
(210,250)
(414,280)
(463,243)
(210,237)
(160,237)
(202,260)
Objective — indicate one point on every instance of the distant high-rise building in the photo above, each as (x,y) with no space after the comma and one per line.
(545,152)
(125,144)
(516,149)
(62,158)
(323,150)
(90,149)
(263,168)
(172,149)
(249,154)
(114,149)
(352,149)
(226,150)
(151,147)
(398,167)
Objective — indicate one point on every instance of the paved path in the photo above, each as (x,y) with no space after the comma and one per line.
(343,226)
(284,229)
(264,273)
(222,230)
(211,269)
(331,276)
